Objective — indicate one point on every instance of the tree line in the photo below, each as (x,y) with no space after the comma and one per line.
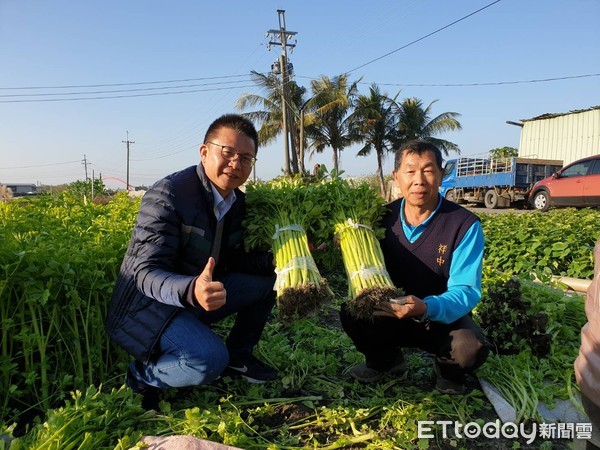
(334,115)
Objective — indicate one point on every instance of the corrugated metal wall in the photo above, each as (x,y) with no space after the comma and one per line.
(567,138)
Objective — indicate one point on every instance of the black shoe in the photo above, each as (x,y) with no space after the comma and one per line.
(252,369)
(366,374)
(150,394)
(444,385)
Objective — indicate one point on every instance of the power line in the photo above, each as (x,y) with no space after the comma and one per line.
(169,154)
(41,165)
(493,83)
(423,37)
(105,97)
(120,90)
(185,80)
(490,83)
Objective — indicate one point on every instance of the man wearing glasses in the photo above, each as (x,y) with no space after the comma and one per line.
(185,269)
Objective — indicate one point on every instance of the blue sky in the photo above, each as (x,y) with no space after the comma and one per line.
(52,43)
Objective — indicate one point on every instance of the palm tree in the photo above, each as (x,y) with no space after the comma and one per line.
(330,106)
(270,116)
(414,122)
(374,123)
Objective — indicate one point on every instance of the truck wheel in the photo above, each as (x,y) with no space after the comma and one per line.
(541,201)
(491,199)
(451,195)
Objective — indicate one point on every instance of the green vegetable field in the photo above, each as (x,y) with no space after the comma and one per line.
(60,257)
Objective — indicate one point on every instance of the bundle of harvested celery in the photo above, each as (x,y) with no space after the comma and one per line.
(357,210)
(368,280)
(301,290)
(278,216)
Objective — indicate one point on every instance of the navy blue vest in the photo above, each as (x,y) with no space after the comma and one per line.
(423,267)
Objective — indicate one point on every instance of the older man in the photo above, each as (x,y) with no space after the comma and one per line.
(433,249)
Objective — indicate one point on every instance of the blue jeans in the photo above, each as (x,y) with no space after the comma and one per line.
(190,353)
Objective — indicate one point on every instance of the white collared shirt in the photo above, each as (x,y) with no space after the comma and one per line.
(222,205)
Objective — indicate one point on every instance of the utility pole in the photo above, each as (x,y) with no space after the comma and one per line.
(281,37)
(85,164)
(301,149)
(128,142)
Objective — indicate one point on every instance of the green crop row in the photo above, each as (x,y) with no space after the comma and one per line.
(60,258)
(560,242)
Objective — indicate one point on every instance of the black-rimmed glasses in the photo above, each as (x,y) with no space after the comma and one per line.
(229,154)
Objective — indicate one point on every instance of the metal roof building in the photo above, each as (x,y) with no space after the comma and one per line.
(567,136)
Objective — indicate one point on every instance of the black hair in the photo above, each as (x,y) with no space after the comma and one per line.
(235,122)
(419,147)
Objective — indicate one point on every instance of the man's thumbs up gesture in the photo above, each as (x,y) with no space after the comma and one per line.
(209,294)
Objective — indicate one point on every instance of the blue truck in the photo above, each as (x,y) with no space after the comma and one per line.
(495,182)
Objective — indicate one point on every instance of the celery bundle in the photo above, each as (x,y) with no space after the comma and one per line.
(357,210)
(278,214)
(300,288)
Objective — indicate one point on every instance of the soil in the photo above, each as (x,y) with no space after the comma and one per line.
(294,413)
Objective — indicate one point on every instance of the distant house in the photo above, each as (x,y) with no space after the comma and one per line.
(21,189)
(565,136)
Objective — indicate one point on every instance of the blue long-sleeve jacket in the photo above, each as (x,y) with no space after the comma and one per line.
(170,245)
